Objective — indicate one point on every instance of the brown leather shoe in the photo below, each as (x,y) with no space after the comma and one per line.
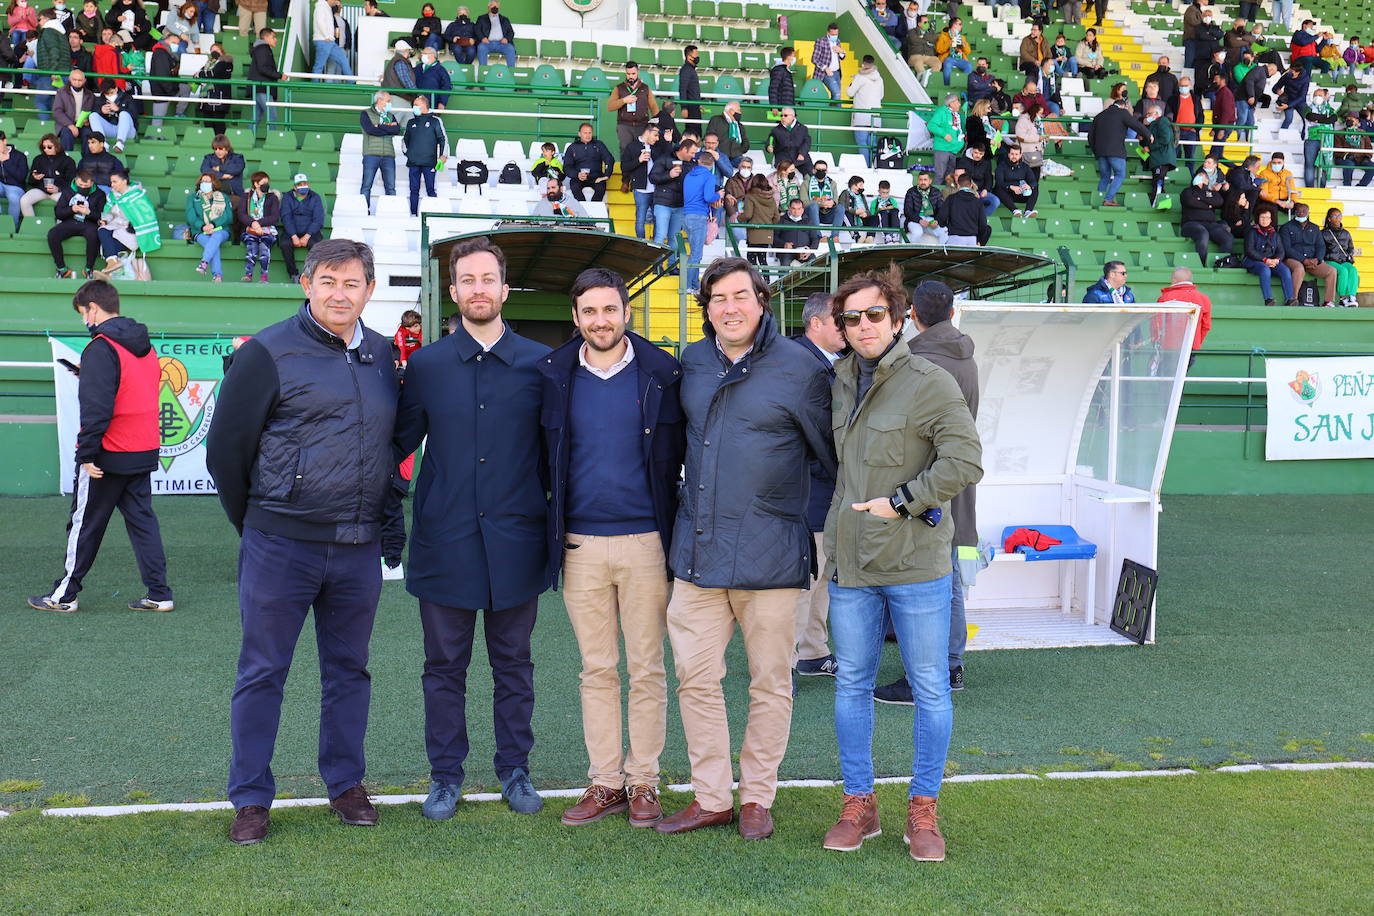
(922,831)
(755,822)
(250,825)
(645,810)
(694,817)
(355,808)
(596,803)
(858,822)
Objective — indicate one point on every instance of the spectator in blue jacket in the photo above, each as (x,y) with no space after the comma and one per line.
(433,79)
(1112,288)
(302,222)
(980,82)
(1264,257)
(461,37)
(699,195)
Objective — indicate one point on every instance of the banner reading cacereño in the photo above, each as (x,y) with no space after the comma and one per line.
(191,372)
(1320,408)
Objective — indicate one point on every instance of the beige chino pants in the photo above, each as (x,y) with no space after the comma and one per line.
(813,611)
(615,585)
(700,624)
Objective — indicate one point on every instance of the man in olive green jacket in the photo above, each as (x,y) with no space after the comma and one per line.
(906,444)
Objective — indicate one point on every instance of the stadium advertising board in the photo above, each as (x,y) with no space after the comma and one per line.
(1320,408)
(191,372)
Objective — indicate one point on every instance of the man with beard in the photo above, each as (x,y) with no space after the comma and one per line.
(614,433)
(478,543)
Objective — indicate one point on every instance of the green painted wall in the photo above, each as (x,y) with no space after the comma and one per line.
(1232,461)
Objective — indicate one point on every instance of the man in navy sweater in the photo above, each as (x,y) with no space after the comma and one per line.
(615,438)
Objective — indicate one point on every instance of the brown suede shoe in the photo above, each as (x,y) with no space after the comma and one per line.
(250,825)
(355,808)
(694,817)
(858,822)
(755,822)
(922,831)
(645,810)
(596,803)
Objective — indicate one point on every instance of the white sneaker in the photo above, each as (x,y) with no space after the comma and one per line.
(1032,214)
(148,604)
(393,573)
(1017,213)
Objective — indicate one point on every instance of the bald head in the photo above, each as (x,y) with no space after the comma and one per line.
(1181,275)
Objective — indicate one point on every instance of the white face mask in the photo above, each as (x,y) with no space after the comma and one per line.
(415,109)
(205,187)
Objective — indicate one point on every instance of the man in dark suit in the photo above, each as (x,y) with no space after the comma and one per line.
(823,340)
(478,539)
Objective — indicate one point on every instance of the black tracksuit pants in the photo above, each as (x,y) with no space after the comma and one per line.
(65,230)
(94,501)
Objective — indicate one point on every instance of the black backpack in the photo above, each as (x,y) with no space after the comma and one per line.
(473,172)
(890,155)
(511,174)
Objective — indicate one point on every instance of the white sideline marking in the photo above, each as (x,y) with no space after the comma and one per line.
(115,810)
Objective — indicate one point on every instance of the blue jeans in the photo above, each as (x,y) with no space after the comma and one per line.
(644,212)
(122,130)
(13,193)
(834,218)
(280,579)
(262,112)
(991,203)
(667,224)
(1111,171)
(1265,273)
(463,55)
(42,102)
(696,241)
(1299,107)
(1068,65)
(416,175)
(864,140)
(1245,115)
(1311,149)
(485,50)
(958,623)
(955,63)
(326,51)
(210,244)
(921,619)
(371,165)
(832,82)
(1283,13)
(206,20)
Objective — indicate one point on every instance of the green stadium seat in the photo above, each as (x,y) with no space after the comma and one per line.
(163,132)
(198,137)
(526,48)
(702,9)
(648,7)
(316,141)
(753,60)
(32,132)
(758,12)
(644,56)
(677,9)
(553,50)
(769,35)
(280,141)
(498,76)
(149,165)
(684,31)
(522,75)
(593,80)
(33,226)
(186,166)
(655,31)
(712,34)
(738,36)
(241,137)
(584,50)
(280,169)
(175,203)
(1093,229)
(671,58)
(1057,227)
(1138,200)
(546,77)
(614,55)
(708,84)
(9,127)
(729,85)
(813,91)
(725,60)
(319,171)
(730,12)
(1150,259)
(458,73)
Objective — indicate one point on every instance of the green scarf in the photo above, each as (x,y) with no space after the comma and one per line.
(138,209)
(734,131)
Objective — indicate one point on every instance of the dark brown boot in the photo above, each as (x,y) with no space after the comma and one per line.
(250,825)
(355,808)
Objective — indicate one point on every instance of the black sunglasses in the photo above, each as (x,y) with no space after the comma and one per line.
(874,314)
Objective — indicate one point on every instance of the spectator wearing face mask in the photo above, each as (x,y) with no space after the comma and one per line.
(1276,183)
(1200,218)
(78,214)
(980,81)
(1163,157)
(1017,186)
(461,37)
(113,115)
(213,111)
(379,152)
(209,216)
(164,64)
(1340,257)
(826,58)
(947,136)
(1305,48)
(1092,62)
(919,49)
(259,212)
(302,222)
(821,205)
(736,187)
(858,206)
(953,49)
(1304,251)
(495,35)
(799,239)
(14,174)
(976,164)
(432,79)
(1265,257)
(426,149)
(1352,139)
(1291,92)
(963,216)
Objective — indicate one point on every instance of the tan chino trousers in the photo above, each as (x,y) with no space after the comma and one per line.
(615,585)
(813,610)
(700,624)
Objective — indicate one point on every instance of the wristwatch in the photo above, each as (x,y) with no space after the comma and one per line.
(898,506)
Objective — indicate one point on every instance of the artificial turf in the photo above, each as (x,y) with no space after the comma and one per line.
(1262,843)
(1263,654)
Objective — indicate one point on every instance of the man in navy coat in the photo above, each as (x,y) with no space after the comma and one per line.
(478,539)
